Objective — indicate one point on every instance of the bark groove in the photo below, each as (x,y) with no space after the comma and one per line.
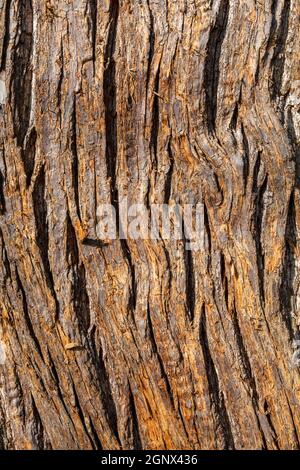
(144,344)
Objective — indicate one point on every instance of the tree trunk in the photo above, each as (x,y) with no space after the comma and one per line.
(143,343)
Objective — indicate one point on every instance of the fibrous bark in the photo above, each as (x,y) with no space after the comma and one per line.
(140,343)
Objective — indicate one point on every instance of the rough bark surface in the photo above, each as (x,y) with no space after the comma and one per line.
(140,344)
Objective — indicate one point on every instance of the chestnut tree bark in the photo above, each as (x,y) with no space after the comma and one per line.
(141,343)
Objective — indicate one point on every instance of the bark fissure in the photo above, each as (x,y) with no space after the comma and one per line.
(107,395)
(104,344)
(151,47)
(155,119)
(37,429)
(80,296)
(28,154)
(83,418)
(133,293)
(110,102)
(60,80)
(42,234)
(246,165)
(2,196)
(168,183)
(93,4)
(75,162)
(27,314)
(288,271)
(216,395)
(278,58)
(137,442)
(160,361)
(5,40)
(190,282)
(247,371)
(259,189)
(59,386)
(212,63)
(22,79)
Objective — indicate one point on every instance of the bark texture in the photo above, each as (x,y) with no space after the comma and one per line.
(140,344)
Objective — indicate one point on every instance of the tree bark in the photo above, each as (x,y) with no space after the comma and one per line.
(141,343)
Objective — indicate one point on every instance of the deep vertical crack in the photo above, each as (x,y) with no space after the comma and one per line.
(212,64)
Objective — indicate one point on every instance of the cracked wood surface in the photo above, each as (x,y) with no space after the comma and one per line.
(138,344)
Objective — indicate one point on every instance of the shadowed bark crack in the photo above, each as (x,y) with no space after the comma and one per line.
(110,102)
(212,64)
(104,344)
(217,398)
(22,79)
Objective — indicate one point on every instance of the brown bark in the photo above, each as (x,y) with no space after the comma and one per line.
(140,344)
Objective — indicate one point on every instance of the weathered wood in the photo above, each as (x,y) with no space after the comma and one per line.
(141,344)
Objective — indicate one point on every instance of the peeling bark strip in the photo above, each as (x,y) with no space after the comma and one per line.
(143,344)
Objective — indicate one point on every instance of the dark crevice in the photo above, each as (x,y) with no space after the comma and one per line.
(37,370)
(80,298)
(27,315)
(182,420)
(286,291)
(160,361)
(294,140)
(234,117)
(219,188)
(60,80)
(278,59)
(169,267)
(6,265)
(22,77)
(97,441)
(105,389)
(248,375)
(110,102)
(74,152)
(133,292)
(37,430)
(207,227)
(2,197)
(137,442)
(52,369)
(246,157)
(189,281)
(94,243)
(216,396)
(28,155)
(212,64)
(151,47)
(5,36)
(244,356)
(93,26)
(224,279)
(259,192)
(82,418)
(42,234)
(272,34)
(168,183)
(155,119)
(257,71)
(55,377)
(106,394)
